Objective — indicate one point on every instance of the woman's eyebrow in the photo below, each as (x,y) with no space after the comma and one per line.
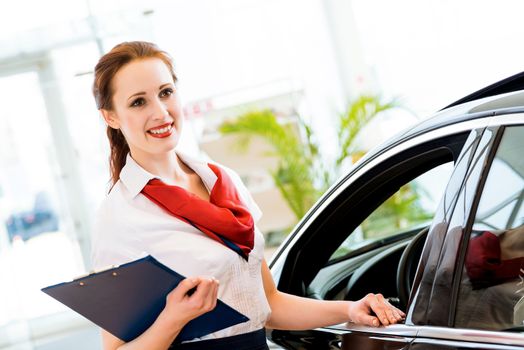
(143,93)
(137,94)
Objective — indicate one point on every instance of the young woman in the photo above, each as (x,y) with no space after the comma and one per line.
(195,217)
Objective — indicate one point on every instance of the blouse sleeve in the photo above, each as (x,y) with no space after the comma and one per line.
(105,250)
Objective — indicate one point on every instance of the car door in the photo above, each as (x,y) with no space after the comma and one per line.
(307,258)
(471,296)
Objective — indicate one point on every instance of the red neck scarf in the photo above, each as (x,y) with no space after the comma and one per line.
(224,218)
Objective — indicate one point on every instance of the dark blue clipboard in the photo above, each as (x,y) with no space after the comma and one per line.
(127,299)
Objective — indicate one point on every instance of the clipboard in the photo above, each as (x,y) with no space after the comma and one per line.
(126,300)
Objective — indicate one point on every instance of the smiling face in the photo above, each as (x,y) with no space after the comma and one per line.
(146,108)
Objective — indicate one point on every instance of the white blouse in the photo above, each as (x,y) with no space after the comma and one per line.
(129,226)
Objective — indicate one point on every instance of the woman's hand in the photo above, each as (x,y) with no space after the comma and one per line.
(373,310)
(191,298)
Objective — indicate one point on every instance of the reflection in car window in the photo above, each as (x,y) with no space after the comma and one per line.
(411,207)
(491,294)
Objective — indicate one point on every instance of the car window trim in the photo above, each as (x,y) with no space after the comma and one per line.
(479,157)
(415,306)
(499,130)
(361,195)
(459,262)
(359,169)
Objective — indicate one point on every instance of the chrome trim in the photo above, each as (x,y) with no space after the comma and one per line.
(400,330)
(471,335)
(422,333)
(463,345)
(507,119)
(277,263)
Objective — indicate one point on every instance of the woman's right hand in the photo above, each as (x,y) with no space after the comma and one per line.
(182,305)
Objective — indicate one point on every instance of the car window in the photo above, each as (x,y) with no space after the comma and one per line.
(411,207)
(491,292)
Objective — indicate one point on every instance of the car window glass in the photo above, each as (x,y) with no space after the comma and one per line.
(411,207)
(491,293)
(439,272)
(437,261)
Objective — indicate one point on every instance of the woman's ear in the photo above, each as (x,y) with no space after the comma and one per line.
(110,118)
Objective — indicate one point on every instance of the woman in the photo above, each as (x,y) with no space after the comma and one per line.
(197,218)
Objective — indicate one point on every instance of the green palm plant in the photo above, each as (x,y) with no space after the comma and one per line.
(301,174)
(358,113)
(402,210)
(294,174)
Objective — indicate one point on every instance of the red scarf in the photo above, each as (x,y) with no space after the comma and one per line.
(224,218)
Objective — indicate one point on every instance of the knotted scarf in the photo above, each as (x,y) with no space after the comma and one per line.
(224,218)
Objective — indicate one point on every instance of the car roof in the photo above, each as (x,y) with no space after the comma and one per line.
(510,84)
(495,99)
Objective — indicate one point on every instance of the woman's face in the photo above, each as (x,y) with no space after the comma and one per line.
(146,108)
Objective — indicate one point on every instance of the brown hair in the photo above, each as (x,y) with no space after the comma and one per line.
(106,68)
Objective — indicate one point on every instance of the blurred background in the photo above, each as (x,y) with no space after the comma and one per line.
(288,93)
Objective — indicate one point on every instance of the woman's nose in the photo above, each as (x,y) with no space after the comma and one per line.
(160,110)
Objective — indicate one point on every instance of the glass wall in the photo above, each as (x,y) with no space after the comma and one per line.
(53,148)
(38,244)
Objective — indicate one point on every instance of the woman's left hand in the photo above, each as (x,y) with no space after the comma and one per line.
(374,310)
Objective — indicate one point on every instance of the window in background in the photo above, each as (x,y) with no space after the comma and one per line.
(37,239)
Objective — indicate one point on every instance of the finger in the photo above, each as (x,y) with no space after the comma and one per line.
(401,313)
(210,293)
(214,295)
(397,315)
(185,285)
(215,287)
(202,290)
(379,309)
(390,310)
(387,307)
(392,318)
(369,320)
(395,309)
(209,301)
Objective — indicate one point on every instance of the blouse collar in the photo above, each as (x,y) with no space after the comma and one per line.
(134,177)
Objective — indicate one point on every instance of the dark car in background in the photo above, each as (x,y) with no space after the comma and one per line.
(41,218)
(455,263)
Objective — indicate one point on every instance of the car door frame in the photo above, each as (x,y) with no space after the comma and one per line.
(286,258)
(447,336)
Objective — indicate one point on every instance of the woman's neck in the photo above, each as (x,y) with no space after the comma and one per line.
(166,165)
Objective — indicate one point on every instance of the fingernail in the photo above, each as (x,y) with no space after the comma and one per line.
(375,323)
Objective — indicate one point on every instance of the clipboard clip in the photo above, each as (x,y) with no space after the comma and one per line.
(92,272)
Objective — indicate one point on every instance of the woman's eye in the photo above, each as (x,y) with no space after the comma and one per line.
(166,92)
(138,102)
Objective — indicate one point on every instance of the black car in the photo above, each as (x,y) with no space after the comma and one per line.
(456,267)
